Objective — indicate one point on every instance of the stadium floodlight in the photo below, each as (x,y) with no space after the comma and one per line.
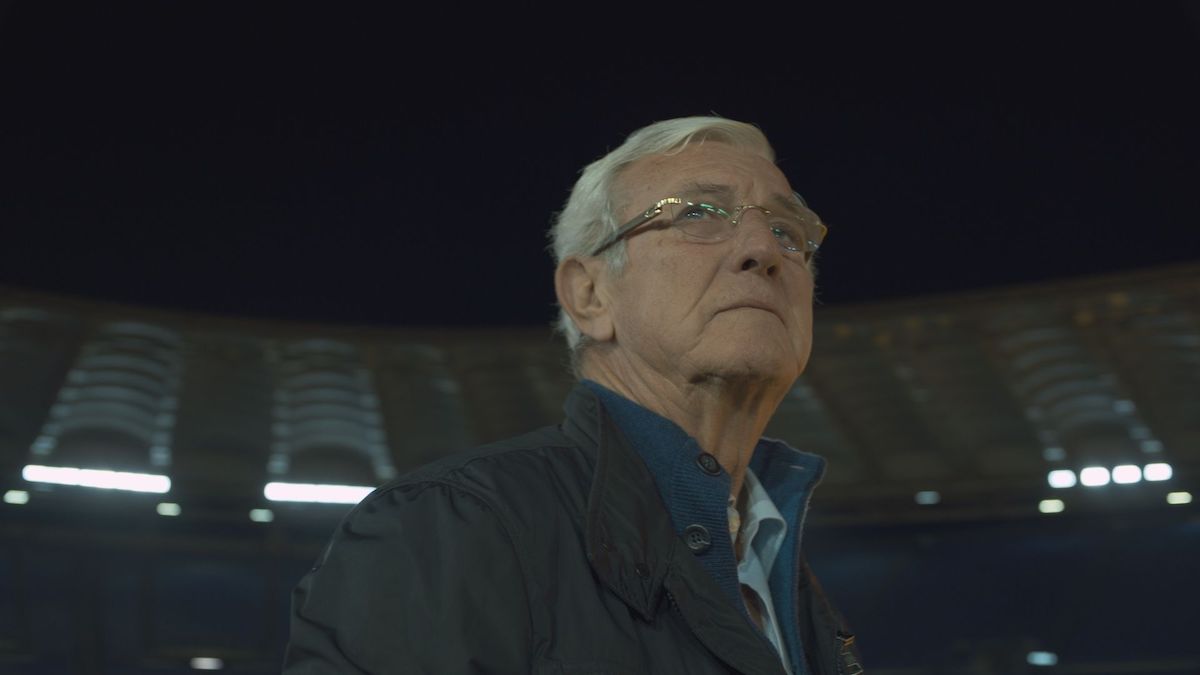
(928,497)
(1126,474)
(1094,476)
(16,497)
(1051,506)
(262,515)
(1061,478)
(1177,498)
(97,478)
(1041,658)
(316,493)
(1157,471)
(207,663)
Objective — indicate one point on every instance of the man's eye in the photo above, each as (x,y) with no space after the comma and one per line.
(695,213)
(786,234)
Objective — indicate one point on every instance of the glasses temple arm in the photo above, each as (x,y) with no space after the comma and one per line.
(625,229)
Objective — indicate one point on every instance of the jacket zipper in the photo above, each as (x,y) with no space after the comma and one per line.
(846,656)
(682,618)
(675,605)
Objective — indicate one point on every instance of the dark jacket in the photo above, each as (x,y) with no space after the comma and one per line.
(547,553)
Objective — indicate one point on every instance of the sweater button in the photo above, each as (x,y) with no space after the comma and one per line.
(697,538)
(709,464)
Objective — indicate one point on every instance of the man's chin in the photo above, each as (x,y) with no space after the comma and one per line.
(750,369)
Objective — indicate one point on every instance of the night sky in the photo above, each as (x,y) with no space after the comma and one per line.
(401,169)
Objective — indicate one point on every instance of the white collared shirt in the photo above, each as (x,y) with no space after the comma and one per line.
(759,531)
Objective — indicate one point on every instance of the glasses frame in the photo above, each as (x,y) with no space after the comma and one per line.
(656,210)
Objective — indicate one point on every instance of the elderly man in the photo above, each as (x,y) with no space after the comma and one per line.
(655,530)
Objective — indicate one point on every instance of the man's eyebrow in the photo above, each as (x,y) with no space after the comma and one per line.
(792,202)
(708,189)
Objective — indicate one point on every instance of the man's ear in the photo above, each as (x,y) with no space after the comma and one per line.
(577,284)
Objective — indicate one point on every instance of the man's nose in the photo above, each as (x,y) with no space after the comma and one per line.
(758,248)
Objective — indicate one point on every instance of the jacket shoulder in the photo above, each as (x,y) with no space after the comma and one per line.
(507,450)
(507,475)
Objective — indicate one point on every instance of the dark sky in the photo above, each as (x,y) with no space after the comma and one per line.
(341,164)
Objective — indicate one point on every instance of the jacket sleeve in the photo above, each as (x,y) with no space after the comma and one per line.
(418,579)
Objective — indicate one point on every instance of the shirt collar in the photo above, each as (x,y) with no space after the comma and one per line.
(763,526)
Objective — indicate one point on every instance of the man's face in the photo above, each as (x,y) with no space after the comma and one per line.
(735,310)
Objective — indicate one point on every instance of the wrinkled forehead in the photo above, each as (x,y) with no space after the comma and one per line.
(717,170)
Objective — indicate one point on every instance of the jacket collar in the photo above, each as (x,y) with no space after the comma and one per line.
(629,538)
(634,550)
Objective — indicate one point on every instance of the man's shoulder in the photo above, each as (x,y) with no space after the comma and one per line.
(528,450)
(522,470)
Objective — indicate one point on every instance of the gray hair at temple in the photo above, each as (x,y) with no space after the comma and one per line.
(589,216)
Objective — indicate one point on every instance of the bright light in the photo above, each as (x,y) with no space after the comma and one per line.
(1061,478)
(207,663)
(16,497)
(1051,506)
(1042,658)
(928,497)
(309,492)
(1126,473)
(262,515)
(97,478)
(1179,498)
(1094,476)
(1157,471)
(168,509)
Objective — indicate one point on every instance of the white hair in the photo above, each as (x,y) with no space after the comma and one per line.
(589,214)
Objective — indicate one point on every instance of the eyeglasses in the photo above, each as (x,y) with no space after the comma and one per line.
(797,232)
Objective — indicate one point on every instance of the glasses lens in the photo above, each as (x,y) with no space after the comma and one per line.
(702,220)
(797,233)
